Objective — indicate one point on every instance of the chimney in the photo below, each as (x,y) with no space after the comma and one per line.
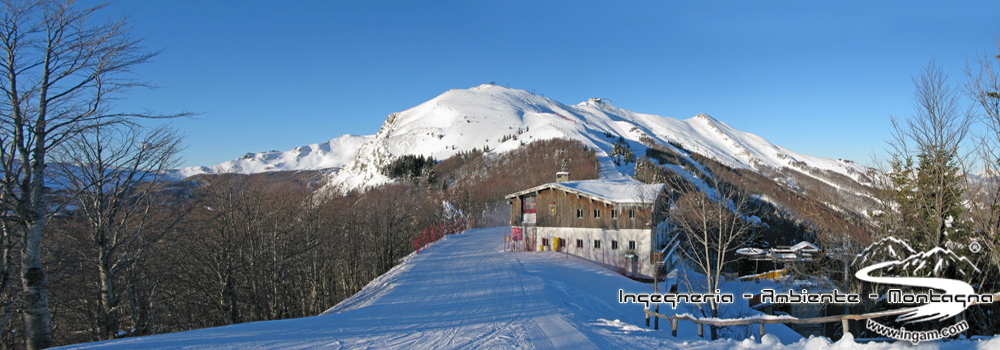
(562,176)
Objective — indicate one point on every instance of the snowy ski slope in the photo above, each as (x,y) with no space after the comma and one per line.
(465,293)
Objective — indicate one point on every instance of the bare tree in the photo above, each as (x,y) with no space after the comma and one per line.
(252,241)
(922,196)
(983,88)
(112,173)
(59,70)
(712,223)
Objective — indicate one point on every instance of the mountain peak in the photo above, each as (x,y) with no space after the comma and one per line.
(500,119)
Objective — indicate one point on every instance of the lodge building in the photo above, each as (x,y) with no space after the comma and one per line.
(605,221)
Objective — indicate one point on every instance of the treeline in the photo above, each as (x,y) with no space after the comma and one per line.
(221,249)
(477,181)
(231,249)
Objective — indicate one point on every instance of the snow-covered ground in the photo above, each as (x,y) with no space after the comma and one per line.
(464,292)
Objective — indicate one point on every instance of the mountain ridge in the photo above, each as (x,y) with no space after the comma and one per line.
(331,154)
(501,119)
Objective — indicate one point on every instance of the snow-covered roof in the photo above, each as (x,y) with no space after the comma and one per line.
(622,191)
(805,246)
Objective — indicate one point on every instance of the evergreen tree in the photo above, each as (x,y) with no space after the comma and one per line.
(941,215)
(622,153)
(927,197)
(923,201)
(899,222)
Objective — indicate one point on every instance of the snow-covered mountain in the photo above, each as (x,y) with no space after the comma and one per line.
(501,119)
(327,155)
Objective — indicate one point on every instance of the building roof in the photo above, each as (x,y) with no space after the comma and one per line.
(625,191)
(805,247)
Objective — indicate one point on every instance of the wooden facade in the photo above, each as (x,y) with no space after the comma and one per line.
(555,207)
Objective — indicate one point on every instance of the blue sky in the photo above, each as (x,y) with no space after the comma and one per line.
(817,78)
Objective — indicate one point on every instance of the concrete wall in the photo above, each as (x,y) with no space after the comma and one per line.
(612,259)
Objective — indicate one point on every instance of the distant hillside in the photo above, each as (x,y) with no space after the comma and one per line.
(501,119)
(330,155)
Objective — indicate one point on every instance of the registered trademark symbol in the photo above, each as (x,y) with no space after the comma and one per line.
(974,247)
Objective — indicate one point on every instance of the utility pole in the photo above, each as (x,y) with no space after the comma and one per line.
(656,275)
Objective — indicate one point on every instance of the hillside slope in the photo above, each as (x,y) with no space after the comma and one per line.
(501,119)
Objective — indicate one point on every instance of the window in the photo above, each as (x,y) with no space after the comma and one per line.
(597,213)
(631,213)
(529,206)
(545,242)
(631,245)
(614,214)
(579,213)
(597,244)
(579,243)
(614,245)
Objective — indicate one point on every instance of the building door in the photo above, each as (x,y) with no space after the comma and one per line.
(631,265)
(635,266)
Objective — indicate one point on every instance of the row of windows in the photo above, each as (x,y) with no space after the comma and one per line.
(597,244)
(597,214)
(614,244)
